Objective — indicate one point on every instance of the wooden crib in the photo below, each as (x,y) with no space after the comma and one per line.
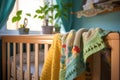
(113,40)
(36,40)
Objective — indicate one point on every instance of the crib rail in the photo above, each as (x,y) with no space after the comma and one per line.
(20,40)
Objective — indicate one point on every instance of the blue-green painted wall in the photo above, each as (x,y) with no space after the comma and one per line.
(107,21)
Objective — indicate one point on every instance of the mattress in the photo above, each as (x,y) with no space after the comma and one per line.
(32,66)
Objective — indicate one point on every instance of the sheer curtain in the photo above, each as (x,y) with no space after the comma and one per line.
(6,7)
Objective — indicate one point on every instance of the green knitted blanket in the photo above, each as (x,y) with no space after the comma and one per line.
(77,46)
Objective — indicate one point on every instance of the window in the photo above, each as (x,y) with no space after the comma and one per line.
(28,6)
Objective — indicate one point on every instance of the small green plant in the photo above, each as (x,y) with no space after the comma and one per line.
(57,25)
(18,16)
(52,12)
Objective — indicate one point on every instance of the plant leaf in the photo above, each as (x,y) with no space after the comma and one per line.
(41,17)
(38,11)
(56,6)
(15,19)
(18,18)
(51,17)
(57,15)
(19,13)
(35,16)
(46,12)
(51,21)
(28,14)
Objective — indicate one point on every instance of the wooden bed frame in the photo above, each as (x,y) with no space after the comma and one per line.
(113,40)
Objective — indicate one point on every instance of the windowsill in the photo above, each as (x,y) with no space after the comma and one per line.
(15,32)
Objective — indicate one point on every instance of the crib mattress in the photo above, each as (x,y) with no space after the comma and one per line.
(32,66)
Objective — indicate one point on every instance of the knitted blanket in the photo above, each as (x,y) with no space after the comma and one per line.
(50,70)
(68,55)
(76,48)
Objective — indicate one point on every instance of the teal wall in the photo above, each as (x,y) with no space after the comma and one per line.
(107,21)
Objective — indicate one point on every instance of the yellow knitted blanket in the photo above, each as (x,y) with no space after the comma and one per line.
(51,66)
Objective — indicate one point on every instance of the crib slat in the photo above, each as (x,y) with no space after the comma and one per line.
(28,61)
(45,50)
(96,67)
(14,59)
(8,60)
(21,62)
(36,62)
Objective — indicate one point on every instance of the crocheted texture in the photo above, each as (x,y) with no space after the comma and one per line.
(76,49)
(71,57)
(93,41)
(87,74)
(51,65)
(62,59)
(67,58)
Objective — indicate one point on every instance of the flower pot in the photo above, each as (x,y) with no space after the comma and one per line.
(57,29)
(23,30)
(47,29)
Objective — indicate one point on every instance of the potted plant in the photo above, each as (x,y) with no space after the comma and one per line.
(23,29)
(42,14)
(57,28)
(51,14)
(59,13)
